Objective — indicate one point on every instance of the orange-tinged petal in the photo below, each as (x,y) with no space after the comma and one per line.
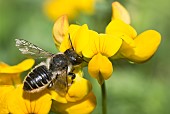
(75,93)
(146,45)
(84,106)
(117,25)
(109,44)
(81,39)
(100,68)
(23,66)
(60,29)
(119,12)
(20,102)
(65,44)
(93,45)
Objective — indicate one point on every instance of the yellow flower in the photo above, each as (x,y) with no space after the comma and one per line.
(13,99)
(100,48)
(136,48)
(79,95)
(16,101)
(11,74)
(57,8)
(89,44)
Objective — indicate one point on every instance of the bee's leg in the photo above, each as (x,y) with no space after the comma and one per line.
(73,76)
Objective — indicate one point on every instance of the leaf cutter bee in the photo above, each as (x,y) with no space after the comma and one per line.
(53,72)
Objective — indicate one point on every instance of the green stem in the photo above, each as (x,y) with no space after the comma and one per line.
(103,89)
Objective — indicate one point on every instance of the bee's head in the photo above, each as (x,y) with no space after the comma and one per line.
(73,57)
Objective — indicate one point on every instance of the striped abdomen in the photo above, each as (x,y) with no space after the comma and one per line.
(38,79)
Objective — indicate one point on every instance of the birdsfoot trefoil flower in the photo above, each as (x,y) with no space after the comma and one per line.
(135,48)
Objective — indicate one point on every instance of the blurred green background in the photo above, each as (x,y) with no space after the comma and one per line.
(133,88)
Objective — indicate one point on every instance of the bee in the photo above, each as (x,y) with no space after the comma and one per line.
(52,73)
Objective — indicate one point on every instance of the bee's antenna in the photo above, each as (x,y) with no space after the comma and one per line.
(73,47)
(70,41)
(84,59)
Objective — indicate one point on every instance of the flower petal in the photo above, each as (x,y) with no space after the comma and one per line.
(81,39)
(74,93)
(100,68)
(20,102)
(84,106)
(119,12)
(117,25)
(93,45)
(66,44)
(10,75)
(57,97)
(41,102)
(16,103)
(3,98)
(146,45)
(60,29)
(3,65)
(23,66)
(127,45)
(109,44)
(105,44)
(10,79)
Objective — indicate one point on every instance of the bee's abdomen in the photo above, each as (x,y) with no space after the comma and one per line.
(39,77)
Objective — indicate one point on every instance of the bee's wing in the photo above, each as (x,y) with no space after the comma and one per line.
(61,83)
(30,49)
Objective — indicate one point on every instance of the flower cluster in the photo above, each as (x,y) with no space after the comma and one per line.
(120,41)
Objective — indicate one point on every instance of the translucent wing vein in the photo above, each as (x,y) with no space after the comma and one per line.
(30,49)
